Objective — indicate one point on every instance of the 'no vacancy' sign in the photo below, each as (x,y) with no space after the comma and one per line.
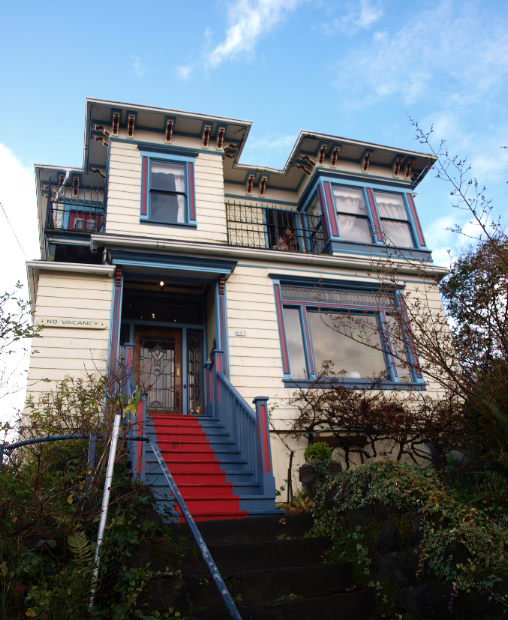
(50,321)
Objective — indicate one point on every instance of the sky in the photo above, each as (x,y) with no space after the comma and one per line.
(356,69)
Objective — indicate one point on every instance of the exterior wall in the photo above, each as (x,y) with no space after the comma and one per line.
(255,359)
(124,196)
(63,351)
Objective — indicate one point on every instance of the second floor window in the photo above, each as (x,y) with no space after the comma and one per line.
(352,214)
(394,219)
(167,196)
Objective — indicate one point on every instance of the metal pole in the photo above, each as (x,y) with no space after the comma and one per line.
(105,500)
(212,567)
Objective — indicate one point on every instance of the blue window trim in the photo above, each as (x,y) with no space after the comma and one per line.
(317,186)
(414,236)
(168,156)
(417,381)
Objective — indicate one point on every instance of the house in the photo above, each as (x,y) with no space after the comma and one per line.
(200,273)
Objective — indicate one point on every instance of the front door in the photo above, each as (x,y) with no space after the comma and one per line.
(158,368)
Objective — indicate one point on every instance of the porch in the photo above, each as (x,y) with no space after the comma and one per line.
(169,337)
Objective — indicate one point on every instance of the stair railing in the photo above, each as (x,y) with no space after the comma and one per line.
(248,428)
(212,567)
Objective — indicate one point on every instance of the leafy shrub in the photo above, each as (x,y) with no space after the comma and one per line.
(447,518)
(50,505)
(319,451)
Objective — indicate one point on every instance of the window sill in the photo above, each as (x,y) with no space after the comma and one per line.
(170,224)
(355,384)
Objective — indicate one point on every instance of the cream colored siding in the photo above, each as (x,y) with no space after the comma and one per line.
(69,351)
(124,198)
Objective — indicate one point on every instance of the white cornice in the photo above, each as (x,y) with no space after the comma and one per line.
(350,262)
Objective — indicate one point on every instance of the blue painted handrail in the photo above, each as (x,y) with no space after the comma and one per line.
(212,567)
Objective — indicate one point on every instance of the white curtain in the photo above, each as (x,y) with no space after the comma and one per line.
(391,205)
(349,200)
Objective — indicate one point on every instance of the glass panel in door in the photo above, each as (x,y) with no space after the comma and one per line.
(194,373)
(158,368)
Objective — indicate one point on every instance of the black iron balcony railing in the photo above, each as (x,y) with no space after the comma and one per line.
(75,209)
(274,229)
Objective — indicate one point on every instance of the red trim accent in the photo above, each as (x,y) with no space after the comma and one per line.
(322,153)
(282,336)
(416,220)
(169,131)
(206,135)
(388,342)
(218,382)
(75,185)
(374,214)
(222,310)
(250,182)
(116,123)
(409,165)
(324,210)
(144,187)
(262,186)
(308,160)
(129,356)
(366,160)
(262,409)
(260,445)
(191,185)
(331,211)
(220,138)
(410,337)
(139,447)
(85,217)
(302,167)
(335,154)
(308,341)
(130,125)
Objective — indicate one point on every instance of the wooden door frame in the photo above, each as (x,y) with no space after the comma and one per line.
(162,332)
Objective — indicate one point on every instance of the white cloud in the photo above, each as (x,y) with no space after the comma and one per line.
(250,19)
(271,147)
(139,67)
(184,72)
(17,195)
(450,52)
(358,17)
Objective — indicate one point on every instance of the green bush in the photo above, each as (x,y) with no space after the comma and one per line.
(319,451)
(448,517)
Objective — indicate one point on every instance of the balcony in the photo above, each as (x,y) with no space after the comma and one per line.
(75,210)
(274,229)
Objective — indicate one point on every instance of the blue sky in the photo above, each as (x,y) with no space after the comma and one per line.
(354,69)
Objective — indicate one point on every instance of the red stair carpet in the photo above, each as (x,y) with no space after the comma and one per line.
(196,471)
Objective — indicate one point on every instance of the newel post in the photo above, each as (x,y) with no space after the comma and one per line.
(265,454)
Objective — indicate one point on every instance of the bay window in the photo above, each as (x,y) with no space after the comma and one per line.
(394,219)
(354,224)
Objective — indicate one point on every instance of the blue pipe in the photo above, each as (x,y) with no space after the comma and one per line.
(212,567)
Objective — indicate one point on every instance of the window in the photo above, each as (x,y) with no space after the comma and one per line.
(357,360)
(294,340)
(394,219)
(316,240)
(373,341)
(167,192)
(352,214)
(167,188)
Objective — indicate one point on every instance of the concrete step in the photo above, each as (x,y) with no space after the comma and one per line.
(239,557)
(262,529)
(270,585)
(358,605)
